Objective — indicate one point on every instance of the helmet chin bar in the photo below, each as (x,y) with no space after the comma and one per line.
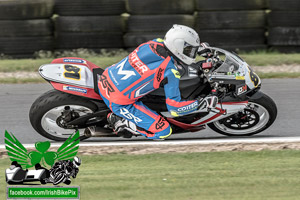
(178,60)
(190,51)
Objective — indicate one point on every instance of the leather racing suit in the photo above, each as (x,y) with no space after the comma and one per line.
(142,71)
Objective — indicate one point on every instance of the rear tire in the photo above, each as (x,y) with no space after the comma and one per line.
(51,100)
(265,103)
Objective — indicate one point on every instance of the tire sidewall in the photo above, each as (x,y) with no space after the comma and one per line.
(42,106)
(266,102)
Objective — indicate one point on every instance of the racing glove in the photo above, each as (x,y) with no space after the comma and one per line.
(207,103)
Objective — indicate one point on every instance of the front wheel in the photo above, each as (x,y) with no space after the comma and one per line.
(45,111)
(259,115)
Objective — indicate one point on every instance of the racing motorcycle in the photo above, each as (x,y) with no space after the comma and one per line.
(75,104)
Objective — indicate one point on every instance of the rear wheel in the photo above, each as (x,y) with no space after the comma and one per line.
(46,111)
(258,116)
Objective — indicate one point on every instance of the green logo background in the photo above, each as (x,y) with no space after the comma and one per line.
(17,152)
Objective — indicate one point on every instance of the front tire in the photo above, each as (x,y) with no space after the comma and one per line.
(258,116)
(45,110)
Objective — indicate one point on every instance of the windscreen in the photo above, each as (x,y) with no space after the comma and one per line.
(231,63)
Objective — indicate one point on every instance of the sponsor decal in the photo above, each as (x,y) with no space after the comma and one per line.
(74,60)
(160,124)
(241,90)
(239,78)
(159,40)
(126,73)
(72,72)
(128,115)
(176,73)
(188,107)
(74,89)
(136,63)
(106,85)
(159,74)
(63,162)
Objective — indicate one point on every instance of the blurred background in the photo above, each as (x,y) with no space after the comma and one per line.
(28,26)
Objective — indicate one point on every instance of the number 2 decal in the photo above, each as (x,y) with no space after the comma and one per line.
(72,72)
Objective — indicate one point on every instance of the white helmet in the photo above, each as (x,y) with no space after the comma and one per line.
(183,42)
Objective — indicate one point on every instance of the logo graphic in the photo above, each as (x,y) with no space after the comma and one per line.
(136,63)
(160,124)
(127,73)
(128,115)
(159,74)
(106,85)
(74,60)
(74,89)
(241,89)
(64,163)
(188,107)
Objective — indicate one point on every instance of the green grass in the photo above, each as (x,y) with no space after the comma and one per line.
(21,80)
(270,58)
(261,175)
(279,75)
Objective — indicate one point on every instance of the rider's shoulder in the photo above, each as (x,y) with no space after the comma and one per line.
(159,40)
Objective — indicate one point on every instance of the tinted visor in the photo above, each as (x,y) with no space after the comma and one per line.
(190,51)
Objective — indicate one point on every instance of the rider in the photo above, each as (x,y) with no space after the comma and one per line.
(149,66)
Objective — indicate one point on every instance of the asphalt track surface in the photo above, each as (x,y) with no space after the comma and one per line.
(16,100)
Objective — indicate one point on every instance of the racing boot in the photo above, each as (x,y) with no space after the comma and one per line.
(122,127)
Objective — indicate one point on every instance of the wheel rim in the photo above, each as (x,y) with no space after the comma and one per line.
(49,124)
(258,117)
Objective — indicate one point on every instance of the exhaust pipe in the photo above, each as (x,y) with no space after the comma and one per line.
(94,131)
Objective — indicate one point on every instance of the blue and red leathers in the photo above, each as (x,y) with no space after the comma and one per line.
(141,72)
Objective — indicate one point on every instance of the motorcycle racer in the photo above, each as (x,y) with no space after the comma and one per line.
(151,65)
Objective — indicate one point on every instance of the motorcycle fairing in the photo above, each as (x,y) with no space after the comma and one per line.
(76,90)
(71,75)
(237,70)
(220,112)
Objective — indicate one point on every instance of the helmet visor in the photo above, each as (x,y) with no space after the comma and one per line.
(190,51)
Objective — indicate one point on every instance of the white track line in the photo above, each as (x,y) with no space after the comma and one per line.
(183,142)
